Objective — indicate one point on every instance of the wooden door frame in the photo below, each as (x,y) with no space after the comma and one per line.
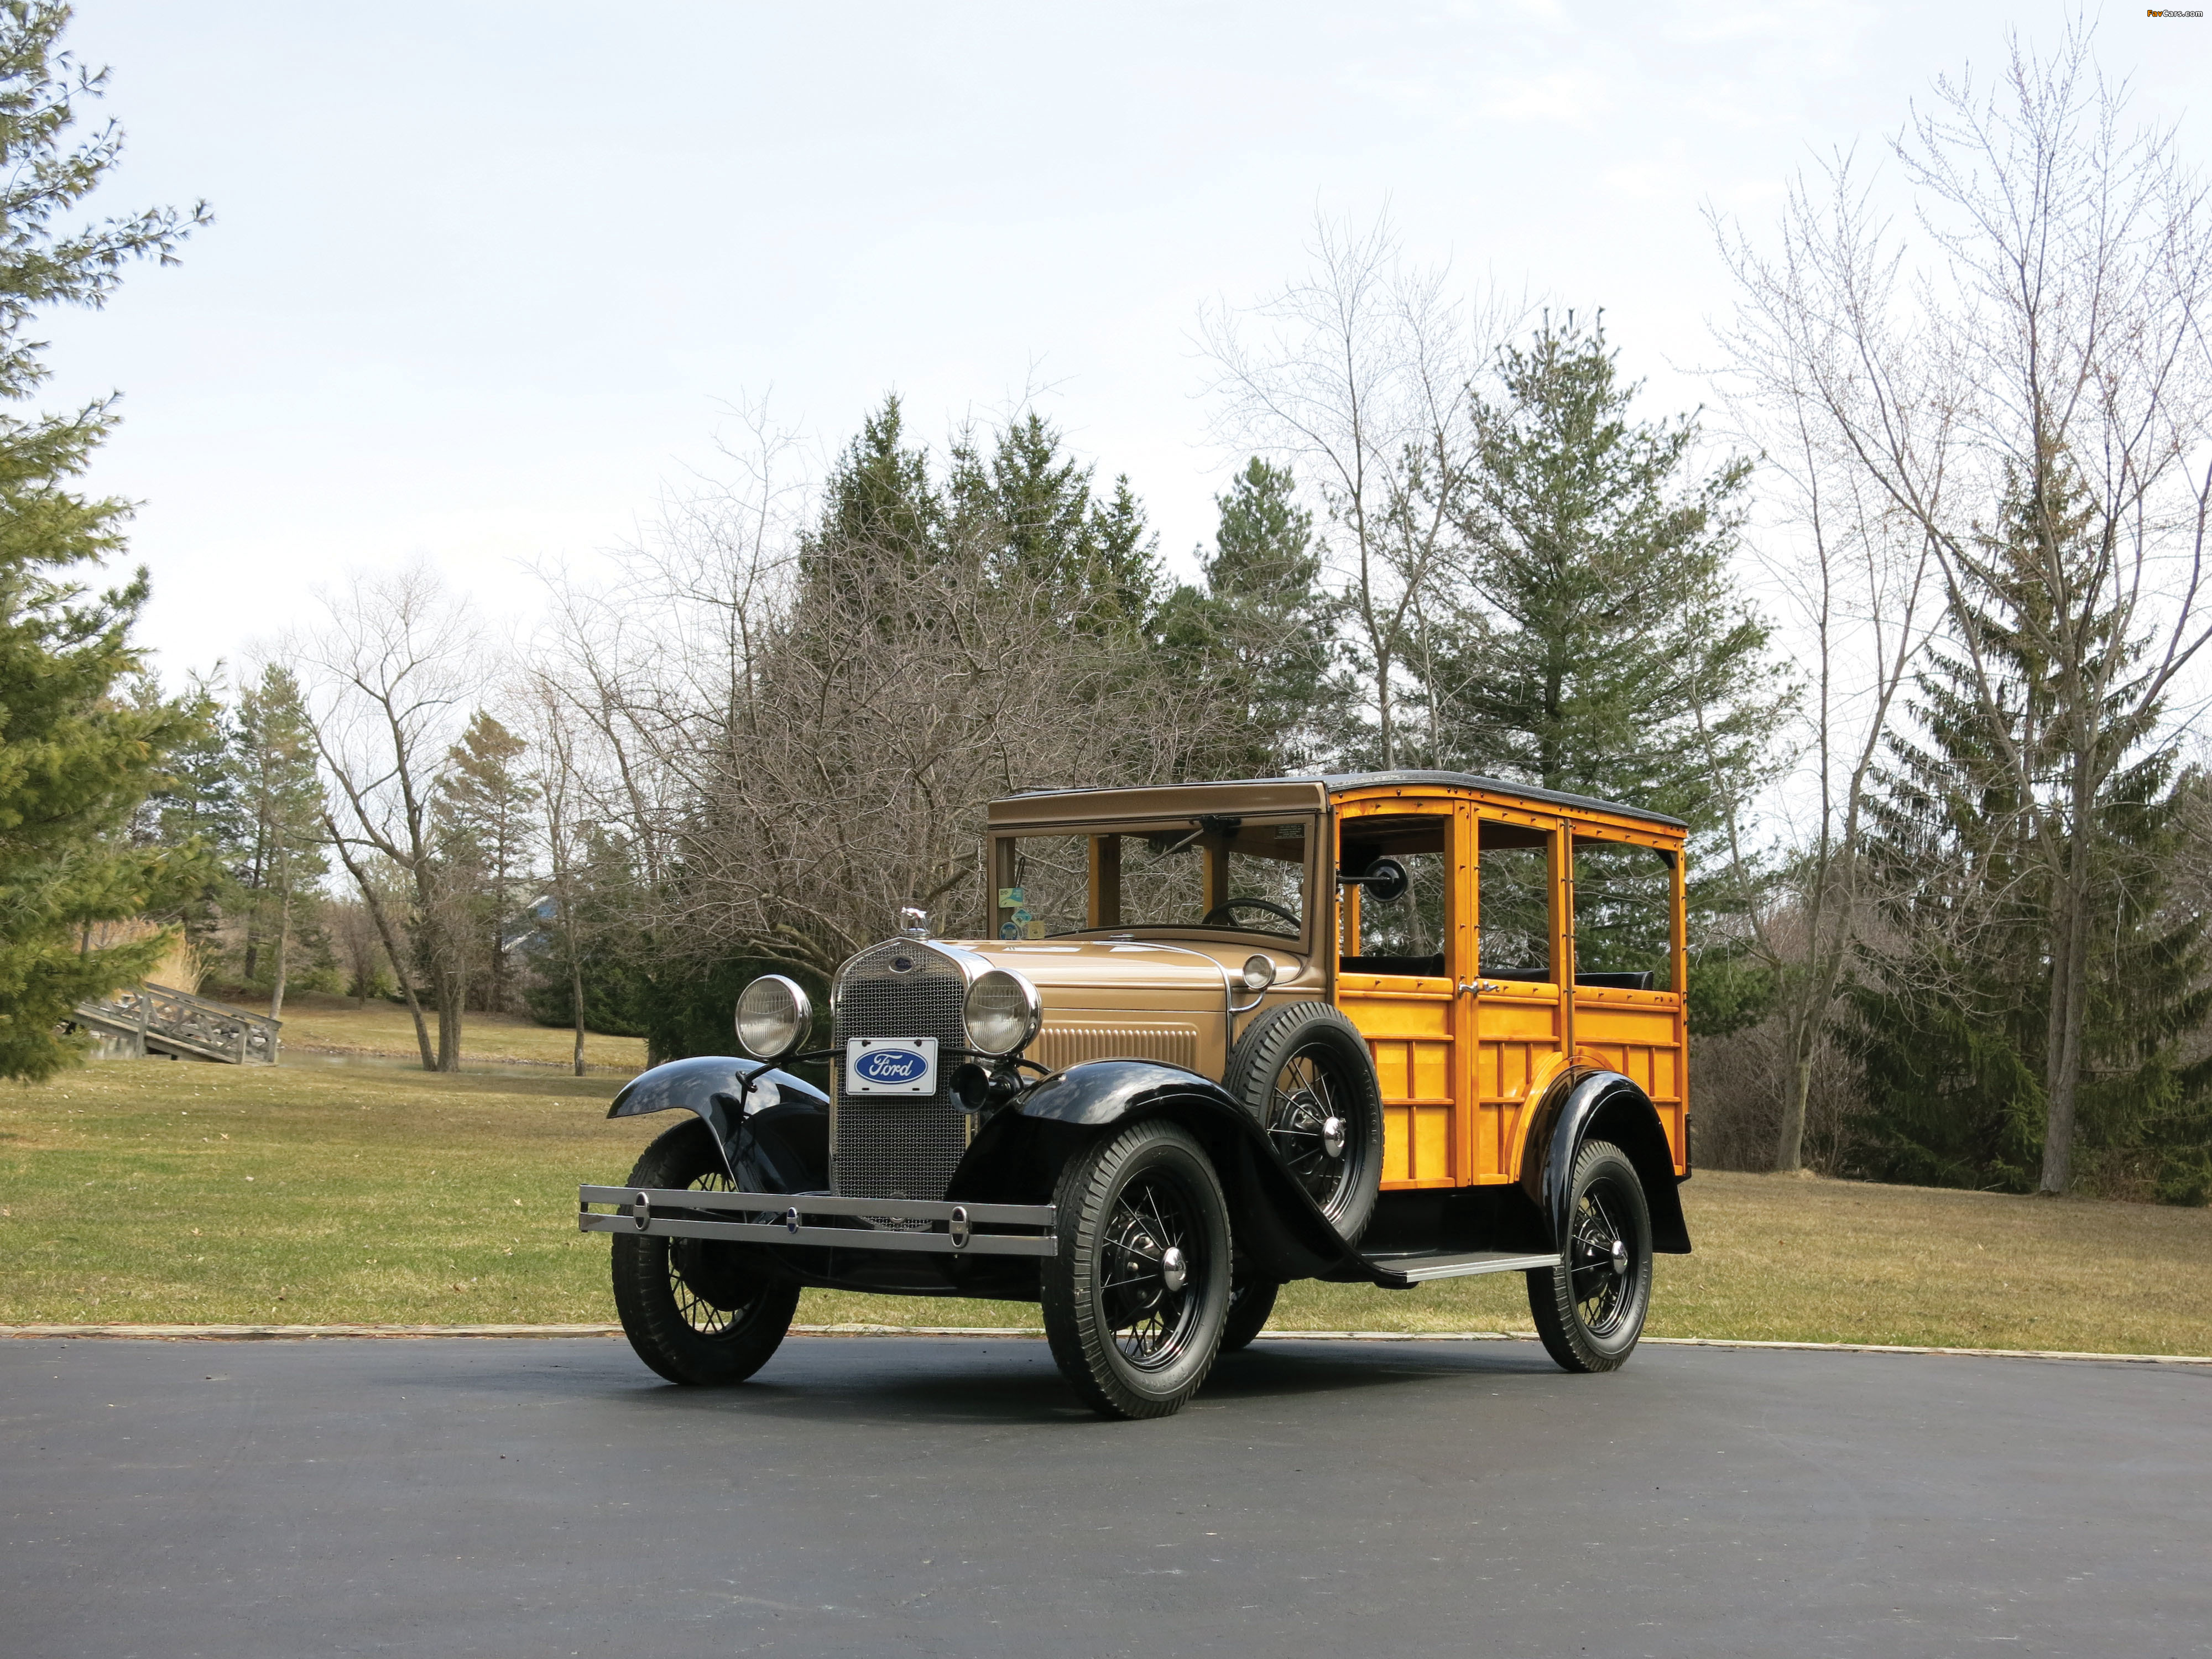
(1459,931)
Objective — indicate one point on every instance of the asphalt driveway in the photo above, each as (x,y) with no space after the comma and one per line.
(945,1497)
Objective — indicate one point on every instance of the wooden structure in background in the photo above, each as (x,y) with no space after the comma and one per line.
(156,1019)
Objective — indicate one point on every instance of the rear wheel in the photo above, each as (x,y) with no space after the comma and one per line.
(1135,1302)
(1250,1301)
(1589,1309)
(698,1311)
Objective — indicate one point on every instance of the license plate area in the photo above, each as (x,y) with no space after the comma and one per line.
(890,1066)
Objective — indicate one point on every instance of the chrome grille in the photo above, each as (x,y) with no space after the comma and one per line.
(907,1146)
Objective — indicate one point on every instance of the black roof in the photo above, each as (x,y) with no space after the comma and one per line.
(1337,782)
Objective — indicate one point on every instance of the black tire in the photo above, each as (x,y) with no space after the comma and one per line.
(1294,1070)
(1589,1309)
(1133,1327)
(699,1311)
(1250,1301)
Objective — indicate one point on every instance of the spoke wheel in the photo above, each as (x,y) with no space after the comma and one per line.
(1304,1073)
(1135,1302)
(1304,1128)
(1154,1271)
(698,1311)
(709,1298)
(1589,1309)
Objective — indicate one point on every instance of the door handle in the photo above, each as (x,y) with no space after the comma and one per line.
(1479,986)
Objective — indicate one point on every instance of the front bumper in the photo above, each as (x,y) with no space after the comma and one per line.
(781,1218)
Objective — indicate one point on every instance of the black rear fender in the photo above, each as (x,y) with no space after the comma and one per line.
(1585,1104)
(773,1128)
(1017,1154)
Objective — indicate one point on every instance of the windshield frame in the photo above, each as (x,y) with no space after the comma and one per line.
(999,855)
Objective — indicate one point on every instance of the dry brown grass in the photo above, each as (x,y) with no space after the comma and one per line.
(337,1025)
(151,1191)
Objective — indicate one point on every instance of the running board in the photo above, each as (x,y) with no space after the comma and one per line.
(1401,1271)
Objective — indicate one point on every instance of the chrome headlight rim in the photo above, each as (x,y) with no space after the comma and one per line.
(777,1022)
(1029,1012)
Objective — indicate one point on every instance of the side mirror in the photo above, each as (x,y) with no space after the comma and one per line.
(1385,879)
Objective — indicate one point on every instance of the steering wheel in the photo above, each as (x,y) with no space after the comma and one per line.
(1220,915)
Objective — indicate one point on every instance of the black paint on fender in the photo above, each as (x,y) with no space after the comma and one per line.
(1582,1104)
(783,1148)
(1275,1223)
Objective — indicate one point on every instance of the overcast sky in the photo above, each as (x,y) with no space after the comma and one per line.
(485,279)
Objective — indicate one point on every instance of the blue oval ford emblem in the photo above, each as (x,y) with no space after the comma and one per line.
(890,1066)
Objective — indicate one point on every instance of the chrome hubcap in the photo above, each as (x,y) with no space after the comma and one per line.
(1174,1271)
(1332,1137)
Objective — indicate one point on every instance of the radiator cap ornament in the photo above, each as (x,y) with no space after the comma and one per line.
(914,923)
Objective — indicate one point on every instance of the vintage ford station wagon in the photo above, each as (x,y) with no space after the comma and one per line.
(1381,1028)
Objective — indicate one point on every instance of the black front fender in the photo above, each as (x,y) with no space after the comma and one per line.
(773,1128)
(1276,1225)
(1583,1104)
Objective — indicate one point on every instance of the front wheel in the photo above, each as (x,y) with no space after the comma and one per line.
(1135,1301)
(698,1311)
(1589,1309)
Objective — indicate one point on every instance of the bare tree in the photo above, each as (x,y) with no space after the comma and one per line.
(387,677)
(1358,374)
(354,932)
(2039,346)
(563,802)
(1853,575)
(796,730)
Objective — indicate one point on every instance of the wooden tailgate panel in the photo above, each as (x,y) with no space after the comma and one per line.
(1641,1040)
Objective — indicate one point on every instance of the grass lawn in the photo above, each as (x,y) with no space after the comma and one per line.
(337,1025)
(169,1192)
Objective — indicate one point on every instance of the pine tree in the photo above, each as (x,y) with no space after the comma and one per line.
(195,816)
(1256,635)
(281,791)
(1974,838)
(76,758)
(879,499)
(484,816)
(1030,514)
(1611,655)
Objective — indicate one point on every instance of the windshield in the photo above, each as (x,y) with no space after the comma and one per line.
(1247,875)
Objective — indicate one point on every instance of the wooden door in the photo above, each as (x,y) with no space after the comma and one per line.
(1398,980)
(1518,1011)
(1630,1015)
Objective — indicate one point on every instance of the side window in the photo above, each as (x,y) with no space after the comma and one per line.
(1624,915)
(1404,935)
(1514,928)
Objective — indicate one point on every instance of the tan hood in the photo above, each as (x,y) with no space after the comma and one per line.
(1104,973)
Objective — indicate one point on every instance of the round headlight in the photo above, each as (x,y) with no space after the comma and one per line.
(1002,1012)
(773,1015)
(1258,973)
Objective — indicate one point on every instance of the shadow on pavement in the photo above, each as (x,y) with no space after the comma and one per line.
(895,1380)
